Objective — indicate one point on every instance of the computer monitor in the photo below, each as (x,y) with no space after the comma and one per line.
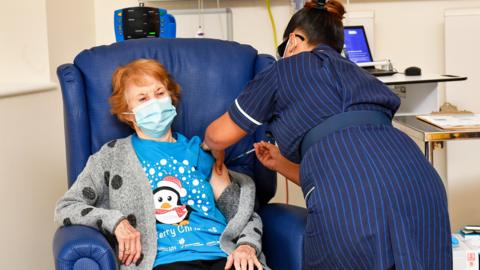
(356,48)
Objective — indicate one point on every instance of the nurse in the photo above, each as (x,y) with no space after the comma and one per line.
(374,202)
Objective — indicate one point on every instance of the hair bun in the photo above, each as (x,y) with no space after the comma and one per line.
(331,6)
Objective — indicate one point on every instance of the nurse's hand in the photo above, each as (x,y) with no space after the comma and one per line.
(219,156)
(243,258)
(269,155)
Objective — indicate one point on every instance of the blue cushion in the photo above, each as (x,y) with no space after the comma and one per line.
(283,229)
(81,247)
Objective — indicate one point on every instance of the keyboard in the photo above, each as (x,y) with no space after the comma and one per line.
(379,72)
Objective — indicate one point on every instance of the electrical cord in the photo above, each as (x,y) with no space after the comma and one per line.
(201,26)
(287,199)
(272,22)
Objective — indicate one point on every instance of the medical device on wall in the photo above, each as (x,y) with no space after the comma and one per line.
(143,22)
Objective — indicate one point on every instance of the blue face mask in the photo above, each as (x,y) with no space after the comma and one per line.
(155,116)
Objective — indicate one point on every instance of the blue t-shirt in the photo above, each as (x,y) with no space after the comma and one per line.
(189,224)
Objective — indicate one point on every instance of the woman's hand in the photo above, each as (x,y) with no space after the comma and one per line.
(129,246)
(243,258)
(269,155)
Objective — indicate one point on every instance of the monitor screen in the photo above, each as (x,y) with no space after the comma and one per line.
(356,45)
(140,22)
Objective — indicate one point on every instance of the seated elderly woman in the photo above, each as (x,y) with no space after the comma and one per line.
(157,192)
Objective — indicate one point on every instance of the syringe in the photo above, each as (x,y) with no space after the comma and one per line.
(268,134)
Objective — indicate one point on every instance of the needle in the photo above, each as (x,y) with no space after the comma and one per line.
(269,136)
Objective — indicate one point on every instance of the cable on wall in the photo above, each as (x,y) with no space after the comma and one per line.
(201,26)
(272,22)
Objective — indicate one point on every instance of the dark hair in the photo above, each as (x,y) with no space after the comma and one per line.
(321,21)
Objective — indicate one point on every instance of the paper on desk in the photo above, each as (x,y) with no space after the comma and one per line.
(453,121)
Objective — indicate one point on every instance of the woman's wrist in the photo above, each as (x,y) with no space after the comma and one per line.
(252,246)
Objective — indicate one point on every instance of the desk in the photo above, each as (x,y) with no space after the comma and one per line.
(400,78)
(430,134)
(418,94)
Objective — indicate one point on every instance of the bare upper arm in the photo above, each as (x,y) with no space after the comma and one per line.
(219,182)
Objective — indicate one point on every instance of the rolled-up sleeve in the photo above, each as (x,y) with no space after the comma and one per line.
(256,103)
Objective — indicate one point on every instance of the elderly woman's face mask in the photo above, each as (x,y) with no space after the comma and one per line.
(155,116)
(152,107)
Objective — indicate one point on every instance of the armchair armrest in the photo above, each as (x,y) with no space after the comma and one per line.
(283,229)
(75,119)
(81,247)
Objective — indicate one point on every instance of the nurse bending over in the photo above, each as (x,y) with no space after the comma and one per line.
(374,202)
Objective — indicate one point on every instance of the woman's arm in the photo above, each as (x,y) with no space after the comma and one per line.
(249,240)
(78,206)
(269,155)
(219,182)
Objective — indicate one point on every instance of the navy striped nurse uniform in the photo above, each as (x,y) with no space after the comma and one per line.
(374,202)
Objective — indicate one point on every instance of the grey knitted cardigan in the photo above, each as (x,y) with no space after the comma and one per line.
(113,186)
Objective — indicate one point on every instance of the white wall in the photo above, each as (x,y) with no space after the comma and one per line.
(32,152)
(26,165)
(32,158)
(25,59)
(71,29)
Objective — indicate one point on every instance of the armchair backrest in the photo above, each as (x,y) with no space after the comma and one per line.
(211,74)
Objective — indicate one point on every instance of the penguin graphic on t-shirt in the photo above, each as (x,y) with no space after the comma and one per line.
(168,206)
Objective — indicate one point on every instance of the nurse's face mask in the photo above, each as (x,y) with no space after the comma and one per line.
(282,48)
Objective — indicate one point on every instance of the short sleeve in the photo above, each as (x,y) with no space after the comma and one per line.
(256,103)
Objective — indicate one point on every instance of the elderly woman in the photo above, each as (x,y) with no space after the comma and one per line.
(154,193)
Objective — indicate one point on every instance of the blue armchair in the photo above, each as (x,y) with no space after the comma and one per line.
(211,74)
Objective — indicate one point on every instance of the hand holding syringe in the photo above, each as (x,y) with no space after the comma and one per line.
(270,140)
